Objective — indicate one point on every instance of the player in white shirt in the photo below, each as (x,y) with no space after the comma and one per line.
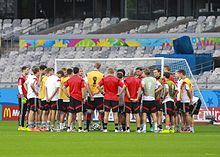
(32,95)
(52,86)
(178,116)
(168,103)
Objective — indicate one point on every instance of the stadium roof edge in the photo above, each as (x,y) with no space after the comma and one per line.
(104,36)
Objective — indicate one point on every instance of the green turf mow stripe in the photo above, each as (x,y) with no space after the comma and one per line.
(204,143)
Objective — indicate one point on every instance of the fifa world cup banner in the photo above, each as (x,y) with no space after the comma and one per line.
(10,112)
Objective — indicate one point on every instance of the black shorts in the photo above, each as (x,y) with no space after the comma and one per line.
(53,105)
(84,108)
(133,107)
(159,105)
(185,107)
(110,104)
(169,108)
(149,107)
(75,106)
(43,105)
(96,104)
(34,104)
(62,105)
(178,105)
(121,109)
(194,109)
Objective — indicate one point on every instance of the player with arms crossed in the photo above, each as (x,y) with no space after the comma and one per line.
(110,84)
(77,96)
(95,98)
(22,97)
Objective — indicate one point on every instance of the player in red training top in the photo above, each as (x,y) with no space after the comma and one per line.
(132,105)
(77,96)
(22,97)
(111,101)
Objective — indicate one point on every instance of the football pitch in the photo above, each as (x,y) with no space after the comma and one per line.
(204,143)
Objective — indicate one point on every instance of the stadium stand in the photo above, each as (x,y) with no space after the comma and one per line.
(47,56)
(13,28)
(179,24)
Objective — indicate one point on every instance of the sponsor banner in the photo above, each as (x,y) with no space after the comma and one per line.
(213,111)
(10,112)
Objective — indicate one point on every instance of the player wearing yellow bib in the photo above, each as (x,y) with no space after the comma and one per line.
(43,111)
(44,105)
(186,98)
(63,101)
(95,98)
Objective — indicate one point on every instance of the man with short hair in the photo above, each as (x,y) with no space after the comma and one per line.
(95,98)
(139,72)
(167,69)
(44,107)
(159,106)
(22,97)
(110,84)
(32,95)
(150,87)
(168,103)
(186,97)
(121,113)
(178,105)
(64,101)
(52,87)
(77,96)
(132,97)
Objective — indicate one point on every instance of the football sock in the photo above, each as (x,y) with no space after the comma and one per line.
(155,126)
(105,125)
(160,126)
(123,127)
(116,126)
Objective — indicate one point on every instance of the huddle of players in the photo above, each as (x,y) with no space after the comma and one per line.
(52,98)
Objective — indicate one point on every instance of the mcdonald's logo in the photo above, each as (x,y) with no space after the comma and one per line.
(7,113)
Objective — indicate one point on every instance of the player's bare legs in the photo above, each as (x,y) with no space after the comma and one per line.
(138,121)
(70,119)
(159,119)
(154,115)
(115,114)
(144,120)
(105,121)
(53,114)
(31,118)
(79,119)
(128,121)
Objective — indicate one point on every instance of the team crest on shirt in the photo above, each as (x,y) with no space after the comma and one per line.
(94,81)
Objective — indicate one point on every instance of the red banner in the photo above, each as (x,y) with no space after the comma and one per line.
(10,113)
(213,111)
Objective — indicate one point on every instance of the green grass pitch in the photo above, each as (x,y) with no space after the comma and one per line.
(204,143)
